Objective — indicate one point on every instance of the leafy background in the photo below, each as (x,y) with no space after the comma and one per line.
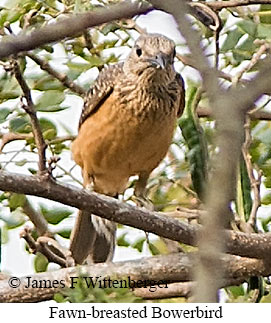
(180,179)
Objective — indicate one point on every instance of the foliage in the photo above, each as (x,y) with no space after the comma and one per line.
(180,180)
(82,292)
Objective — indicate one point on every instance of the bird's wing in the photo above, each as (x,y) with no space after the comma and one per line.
(101,90)
(180,85)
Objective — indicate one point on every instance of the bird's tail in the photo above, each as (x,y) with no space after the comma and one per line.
(92,239)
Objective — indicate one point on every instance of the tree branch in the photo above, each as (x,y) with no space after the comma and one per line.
(170,268)
(12,136)
(254,115)
(36,218)
(183,289)
(211,239)
(255,183)
(70,27)
(243,244)
(229,141)
(30,110)
(8,137)
(218,5)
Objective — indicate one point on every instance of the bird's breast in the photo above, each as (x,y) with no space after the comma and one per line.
(126,136)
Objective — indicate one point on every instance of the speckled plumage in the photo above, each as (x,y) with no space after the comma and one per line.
(126,127)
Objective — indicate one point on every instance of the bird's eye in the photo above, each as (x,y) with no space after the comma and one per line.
(138,52)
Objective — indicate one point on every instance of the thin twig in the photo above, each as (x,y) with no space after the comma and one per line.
(184,213)
(253,114)
(6,138)
(254,182)
(256,57)
(36,218)
(190,61)
(61,139)
(12,136)
(218,5)
(30,110)
(48,247)
(68,173)
(63,78)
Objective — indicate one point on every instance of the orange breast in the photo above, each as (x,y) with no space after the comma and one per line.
(114,144)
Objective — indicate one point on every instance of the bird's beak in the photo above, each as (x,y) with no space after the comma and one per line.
(158,61)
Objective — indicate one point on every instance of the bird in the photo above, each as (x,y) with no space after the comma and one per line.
(125,129)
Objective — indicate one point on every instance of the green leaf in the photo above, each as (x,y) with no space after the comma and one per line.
(40,263)
(193,134)
(58,148)
(247,45)
(236,291)
(48,83)
(110,27)
(139,244)
(94,60)
(16,200)
(21,163)
(55,215)
(153,249)
(248,27)
(48,128)
(266,200)
(32,171)
(122,242)
(3,196)
(4,235)
(245,50)
(264,31)
(265,223)
(48,48)
(246,189)
(50,101)
(53,108)
(9,88)
(75,69)
(14,219)
(20,124)
(64,233)
(9,16)
(240,55)
(265,14)
(231,40)
(59,298)
(266,299)
(4,112)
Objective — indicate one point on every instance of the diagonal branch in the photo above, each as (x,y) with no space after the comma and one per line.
(30,110)
(36,217)
(44,65)
(70,27)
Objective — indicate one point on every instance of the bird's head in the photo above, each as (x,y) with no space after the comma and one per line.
(153,54)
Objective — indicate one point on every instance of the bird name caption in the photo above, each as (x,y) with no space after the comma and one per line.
(29,282)
(142,312)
